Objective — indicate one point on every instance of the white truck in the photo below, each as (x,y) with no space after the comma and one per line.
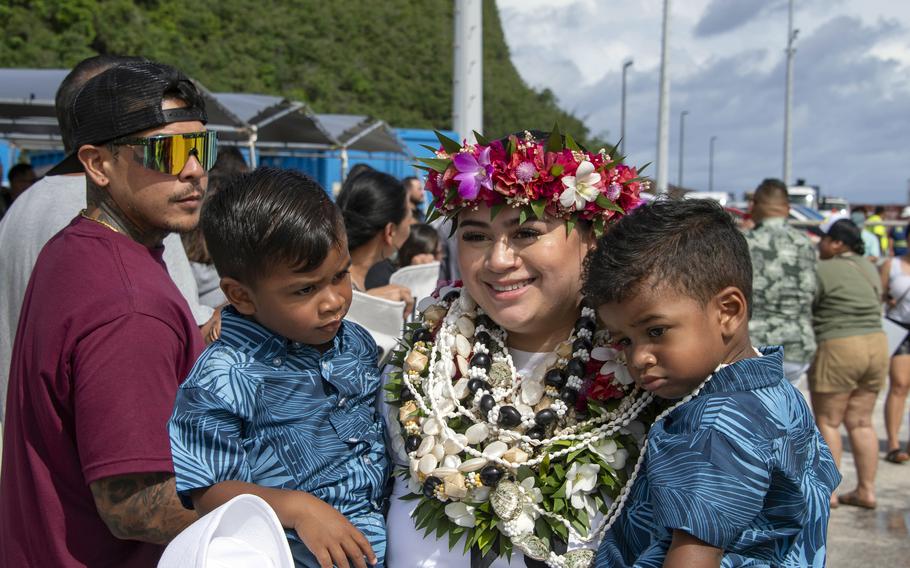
(804,195)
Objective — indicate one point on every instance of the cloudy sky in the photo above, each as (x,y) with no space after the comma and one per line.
(851,102)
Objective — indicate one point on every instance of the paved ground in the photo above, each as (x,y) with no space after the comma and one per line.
(861,538)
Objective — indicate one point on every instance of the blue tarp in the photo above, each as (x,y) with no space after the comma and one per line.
(325,166)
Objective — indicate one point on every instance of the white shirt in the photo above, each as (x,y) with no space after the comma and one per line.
(38,214)
(899,289)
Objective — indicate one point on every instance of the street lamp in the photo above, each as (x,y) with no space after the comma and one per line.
(663,106)
(622,121)
(711,164)
(788,97)
(682,134)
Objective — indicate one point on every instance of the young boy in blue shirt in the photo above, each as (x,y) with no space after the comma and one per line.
(735,472)
(282,404)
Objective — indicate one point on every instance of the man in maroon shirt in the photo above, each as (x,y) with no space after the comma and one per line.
(105,337)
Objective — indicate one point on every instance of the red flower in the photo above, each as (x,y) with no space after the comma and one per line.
(604,388)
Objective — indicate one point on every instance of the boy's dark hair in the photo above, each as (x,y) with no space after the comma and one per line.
(260,220)
(691,246)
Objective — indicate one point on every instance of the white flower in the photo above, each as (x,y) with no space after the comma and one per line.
(581,188)
(620,372)
(524,524)
(605,448)
(619,459)
(461,514)
(635,429)
(532,492)
(580,481)
(613,363)
(414,485)
(586,502)
(611,453)
(480,494)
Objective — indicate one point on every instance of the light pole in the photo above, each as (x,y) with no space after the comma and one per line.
(711,164)
(663,112)
(682,140)
(467,72)
(622,120)
(788,100)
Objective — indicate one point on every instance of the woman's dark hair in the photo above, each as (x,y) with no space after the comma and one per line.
(846,231)
(369,201)
(423,239)
(260,220)
(691,246)
(194,245)
(230,162)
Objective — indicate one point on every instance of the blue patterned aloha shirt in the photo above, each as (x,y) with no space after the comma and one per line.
(262,409)
(741,467)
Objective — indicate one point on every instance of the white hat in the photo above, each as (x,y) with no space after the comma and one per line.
(242,533)
(826,224)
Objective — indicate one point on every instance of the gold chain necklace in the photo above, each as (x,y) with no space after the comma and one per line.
(84,214)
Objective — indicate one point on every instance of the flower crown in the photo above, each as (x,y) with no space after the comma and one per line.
(556,177)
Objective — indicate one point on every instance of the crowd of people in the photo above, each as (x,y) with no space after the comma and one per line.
(173,339)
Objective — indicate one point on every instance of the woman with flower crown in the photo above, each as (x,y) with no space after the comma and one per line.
(514,424)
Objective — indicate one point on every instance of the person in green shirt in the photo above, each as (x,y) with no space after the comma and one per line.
(851,362)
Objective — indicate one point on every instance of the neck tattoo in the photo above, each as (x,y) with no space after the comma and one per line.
(84,214)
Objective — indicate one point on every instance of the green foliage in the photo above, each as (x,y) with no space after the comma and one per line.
(389,59)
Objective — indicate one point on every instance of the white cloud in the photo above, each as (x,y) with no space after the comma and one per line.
(851,87)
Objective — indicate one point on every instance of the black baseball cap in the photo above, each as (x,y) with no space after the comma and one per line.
(124,100)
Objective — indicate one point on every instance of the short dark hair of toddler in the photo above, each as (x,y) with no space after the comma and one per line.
(691,246)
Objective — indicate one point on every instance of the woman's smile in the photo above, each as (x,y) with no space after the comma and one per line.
(509,289)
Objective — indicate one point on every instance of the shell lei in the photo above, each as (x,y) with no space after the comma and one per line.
(512,462)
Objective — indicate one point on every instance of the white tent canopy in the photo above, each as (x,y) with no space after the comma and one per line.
(361,133)
(278,122)
(27,116)
(28,120)
(287,123)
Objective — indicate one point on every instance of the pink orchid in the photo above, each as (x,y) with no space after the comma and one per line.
(473,173)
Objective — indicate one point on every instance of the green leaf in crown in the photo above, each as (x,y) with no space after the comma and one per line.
(512,462)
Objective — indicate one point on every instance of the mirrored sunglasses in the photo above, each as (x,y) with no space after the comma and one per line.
(169,154)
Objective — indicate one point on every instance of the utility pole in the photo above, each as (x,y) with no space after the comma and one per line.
(622,121)
(467,76)
(788,103)
(663,113)
(682,142)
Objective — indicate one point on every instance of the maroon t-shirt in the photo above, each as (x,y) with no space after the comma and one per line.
(103,341)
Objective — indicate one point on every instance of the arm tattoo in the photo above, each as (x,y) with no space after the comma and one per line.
(142,506)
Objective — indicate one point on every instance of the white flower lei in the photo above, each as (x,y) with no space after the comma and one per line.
(444,465)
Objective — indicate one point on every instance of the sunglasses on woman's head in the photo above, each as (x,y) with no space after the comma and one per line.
(169,153)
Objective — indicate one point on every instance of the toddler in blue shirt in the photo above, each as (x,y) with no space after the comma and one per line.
(282,404)
(734,472)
